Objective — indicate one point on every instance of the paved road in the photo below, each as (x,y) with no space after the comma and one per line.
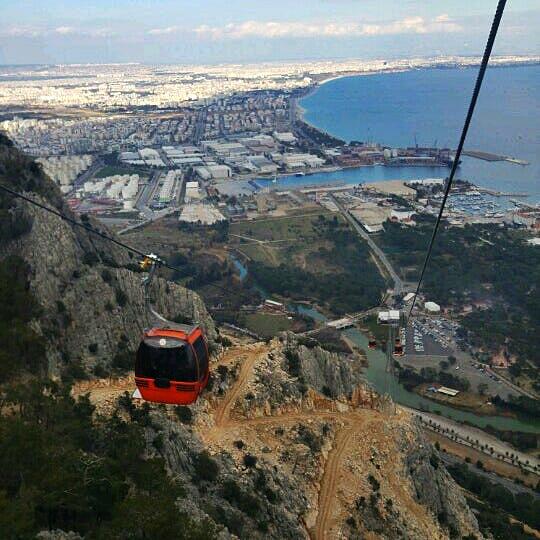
(468,435)
(199,128)
(153,217)
(86,175)
(398,282)
(146,195)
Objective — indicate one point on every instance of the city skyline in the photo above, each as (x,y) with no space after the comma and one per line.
(168,32)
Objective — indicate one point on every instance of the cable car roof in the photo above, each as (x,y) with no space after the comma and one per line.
(161,342)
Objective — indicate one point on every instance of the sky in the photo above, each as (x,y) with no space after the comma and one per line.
(215,31)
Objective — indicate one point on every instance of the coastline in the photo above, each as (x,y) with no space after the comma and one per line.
(300,112)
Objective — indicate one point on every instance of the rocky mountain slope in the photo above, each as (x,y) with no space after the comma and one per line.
(265,455)
(287,441)
(89,290)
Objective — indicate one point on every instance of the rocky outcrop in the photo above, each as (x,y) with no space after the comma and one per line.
(329,373)
(93,308)
(249,501)
(434,486)
(89,289)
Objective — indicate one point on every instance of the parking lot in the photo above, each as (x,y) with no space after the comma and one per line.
(430,341)
(429,338)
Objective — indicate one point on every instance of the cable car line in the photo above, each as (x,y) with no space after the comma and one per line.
(483,66)
(76,223)
(160,261)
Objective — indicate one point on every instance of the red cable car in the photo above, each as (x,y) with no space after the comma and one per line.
(398,348)
(372,343)
(172,363)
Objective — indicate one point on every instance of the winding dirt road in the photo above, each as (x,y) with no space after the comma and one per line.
(223,411)
(329,483)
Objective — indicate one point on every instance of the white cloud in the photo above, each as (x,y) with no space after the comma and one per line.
(22,31)
(32,32)
(163,31)
(271,30)
(65,30)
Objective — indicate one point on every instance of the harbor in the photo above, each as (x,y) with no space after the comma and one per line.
(488,156)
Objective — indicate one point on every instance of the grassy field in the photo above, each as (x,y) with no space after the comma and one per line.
(110,170)
(293,227)
(266,325)
(312,256)
(464,400)
(275,241)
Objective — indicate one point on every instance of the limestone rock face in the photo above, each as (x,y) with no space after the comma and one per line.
(327,372)
(256,502)
(435,488)
(91,297)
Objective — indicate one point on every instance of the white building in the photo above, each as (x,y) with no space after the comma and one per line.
(285,137)
(192,191)
(209,172)
(432,307)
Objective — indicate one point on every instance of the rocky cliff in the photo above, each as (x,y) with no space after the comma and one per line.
(89,290)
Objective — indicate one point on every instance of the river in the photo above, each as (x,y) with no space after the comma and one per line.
(378,378)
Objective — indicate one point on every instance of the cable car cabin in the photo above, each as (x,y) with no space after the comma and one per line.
(398,348)
(372,343)
(172,364)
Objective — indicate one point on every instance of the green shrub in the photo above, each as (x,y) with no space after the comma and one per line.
(184,414)
(250,460)
(206,468)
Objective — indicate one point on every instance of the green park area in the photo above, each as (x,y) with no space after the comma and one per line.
(111,170)
(311,256)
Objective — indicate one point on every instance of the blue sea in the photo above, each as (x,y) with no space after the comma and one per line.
(429,106)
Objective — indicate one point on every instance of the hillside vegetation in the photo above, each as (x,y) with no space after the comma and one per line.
(318,258)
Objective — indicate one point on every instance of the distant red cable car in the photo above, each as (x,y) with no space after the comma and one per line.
(172,363)
(372,343)
(398,348)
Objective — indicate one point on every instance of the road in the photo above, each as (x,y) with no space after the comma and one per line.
(199,128)
(146,195)
(153,217)
(468,435)
(86,175)
(398,287)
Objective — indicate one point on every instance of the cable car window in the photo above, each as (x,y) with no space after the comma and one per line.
(175,363)
(202,355)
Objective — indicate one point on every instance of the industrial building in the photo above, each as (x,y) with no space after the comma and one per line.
(168,188)
(284,137)
(192,192)
(211,172)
